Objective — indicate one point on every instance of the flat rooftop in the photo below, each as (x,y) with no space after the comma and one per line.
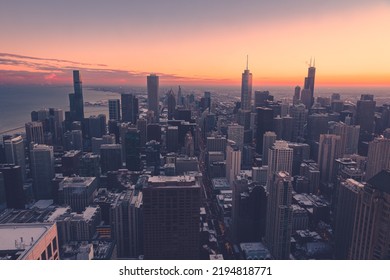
(21,236)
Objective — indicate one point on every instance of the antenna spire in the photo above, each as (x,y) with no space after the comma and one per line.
(246,62)
(314,64)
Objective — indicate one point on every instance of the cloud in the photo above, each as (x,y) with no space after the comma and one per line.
(21,69)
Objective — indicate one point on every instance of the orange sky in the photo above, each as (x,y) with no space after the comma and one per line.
(351,47)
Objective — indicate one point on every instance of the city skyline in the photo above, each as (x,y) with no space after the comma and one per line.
(196,43)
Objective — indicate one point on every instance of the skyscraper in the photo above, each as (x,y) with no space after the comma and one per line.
(34,132)
(133,149)
(14,153)
(329,150)
(171,218)
(13,185)
(269,139)
(233,162)
(378,157)
(152,85)
(246,89)
(114,109)
(129,108)
(279,216)
(42,170)
(370,238)
(280,158)
(309,84)
(265,117)
(365,113)
(236,134)
(171,104)
(76,99)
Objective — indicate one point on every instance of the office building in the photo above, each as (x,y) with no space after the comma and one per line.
(114,109)
(171,104)
(349,135)
(269,139)
(378,157)
(15,153)
(299,117)
(171,218)
(129,108)
(34,132)
(152,87)
(265,118)
(329,151)
(89,165)
(236,134)
(365,113)
(372,220)
(280,158)
(246,89)
(308,90)
(13,185)
(110,157)
(77,192)
(76,99)
(172,136)
(233,162)
(29,241)
(71,163)
(42,170)
(133,150)
(279,216)
(126,222)
(348,192)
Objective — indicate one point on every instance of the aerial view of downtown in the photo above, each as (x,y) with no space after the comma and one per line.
(194,130)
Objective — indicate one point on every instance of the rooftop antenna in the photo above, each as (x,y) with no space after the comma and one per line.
(246,62)
(310,61)
(314,64)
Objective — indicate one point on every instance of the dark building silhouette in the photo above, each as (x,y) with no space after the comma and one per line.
(171,104)
(13,185)
(372,221)
(76,99)
(264,123)
(365,112)
(114,109)
(133,150)
(171,218)
(129,108)
(152,86)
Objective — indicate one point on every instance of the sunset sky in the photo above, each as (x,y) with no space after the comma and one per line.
(198,42)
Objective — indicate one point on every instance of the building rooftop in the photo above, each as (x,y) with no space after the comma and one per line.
(20,238)
(381,181)
(161,181)
(77,182)
(220,184)
(255,251)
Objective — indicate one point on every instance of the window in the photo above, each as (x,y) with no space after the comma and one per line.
(55,244)
(49,251)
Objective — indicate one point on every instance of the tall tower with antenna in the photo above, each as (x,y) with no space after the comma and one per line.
(308,90)
(246,89)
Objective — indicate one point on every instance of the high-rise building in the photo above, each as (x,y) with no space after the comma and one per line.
(189,144)
(96,126)
(348,193)
(34,132)
(142,127)
(114,109)
(329,150)
(365,115)
(15,154)
(172,137)
(13,185)
(216,144)
(42,170)
(73,140)
(236,134)
(265,118)
(71,163)
(246,89)
(110,157)
(171,218)
(126,221)
(309,85)
(370,238)
(279,216)
(89,165)
(378,157)
(317,124)
(78,192)
(233,162)
(280,158)
(152,85)
(76,99)
(349,137)
(129,108)
(262,98)
(301,152)
(297,95)
(171,104)
(299,115)
(269,139)
(133,150)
